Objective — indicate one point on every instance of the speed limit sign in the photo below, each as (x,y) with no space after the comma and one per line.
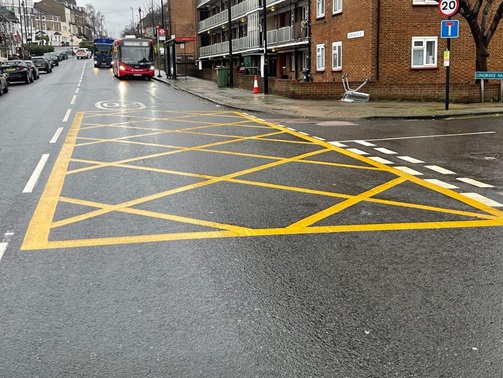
(448,8)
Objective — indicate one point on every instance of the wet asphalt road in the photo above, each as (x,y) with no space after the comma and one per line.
(169,237)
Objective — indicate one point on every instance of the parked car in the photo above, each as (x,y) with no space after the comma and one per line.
(53,57)
(42,63)
(70,51)
(4,85)
(18,70)
(34,69)
(63,54)
(82,53)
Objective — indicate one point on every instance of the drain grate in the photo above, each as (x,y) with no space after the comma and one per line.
(488,156)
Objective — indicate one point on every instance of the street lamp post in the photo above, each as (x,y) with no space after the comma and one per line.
(139,23)
(132,18)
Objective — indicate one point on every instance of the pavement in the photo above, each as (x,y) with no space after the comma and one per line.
(243,100)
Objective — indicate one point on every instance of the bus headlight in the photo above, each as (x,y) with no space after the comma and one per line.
(152,68)
(95,62)
(122,68)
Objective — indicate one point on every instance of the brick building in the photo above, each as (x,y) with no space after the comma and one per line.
(312,43)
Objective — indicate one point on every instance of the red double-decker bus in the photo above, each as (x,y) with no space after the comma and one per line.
(133,57)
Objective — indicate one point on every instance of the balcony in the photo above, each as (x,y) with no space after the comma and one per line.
(240,10)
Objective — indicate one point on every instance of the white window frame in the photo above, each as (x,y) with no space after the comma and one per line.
(336,6)
(320,57)
(320,8)
(427,60)
(337,56)
(424,2)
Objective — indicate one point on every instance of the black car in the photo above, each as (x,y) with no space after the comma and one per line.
(34,69)
(53,58)
(18,70)
(42,63)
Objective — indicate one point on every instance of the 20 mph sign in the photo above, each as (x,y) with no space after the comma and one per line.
(448,8)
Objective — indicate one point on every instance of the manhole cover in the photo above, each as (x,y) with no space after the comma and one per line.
(488,156)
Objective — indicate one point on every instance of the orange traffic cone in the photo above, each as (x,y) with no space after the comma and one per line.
(255,84)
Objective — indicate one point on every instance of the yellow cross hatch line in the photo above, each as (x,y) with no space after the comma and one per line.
(43,230)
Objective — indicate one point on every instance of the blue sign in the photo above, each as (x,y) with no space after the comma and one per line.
(449,29)
(488,75)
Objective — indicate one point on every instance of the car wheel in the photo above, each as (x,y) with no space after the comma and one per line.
(32,78)
(6,89)
(1,90)
(27,80)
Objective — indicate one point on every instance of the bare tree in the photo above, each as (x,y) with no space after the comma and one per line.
(483,18)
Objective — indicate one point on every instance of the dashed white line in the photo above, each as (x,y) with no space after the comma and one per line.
(319,138)
(410,171)
(67,115)
(3,247)
(474,182)
(36,174)
(428,136)
(56,135)
(385,151)
(441,183)
(410,159)
(482,199)
(77,90)
(74,98)
(380,160)
(438,169)
(357,151)
(365,143)
(337,144)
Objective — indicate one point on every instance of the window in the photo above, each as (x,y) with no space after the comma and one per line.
(337,6)
(337,56)
(320,57)
(320,8)
(424,52)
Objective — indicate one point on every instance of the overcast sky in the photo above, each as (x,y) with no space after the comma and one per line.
(117,12)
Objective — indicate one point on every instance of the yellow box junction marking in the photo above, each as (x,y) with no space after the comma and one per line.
(38,235)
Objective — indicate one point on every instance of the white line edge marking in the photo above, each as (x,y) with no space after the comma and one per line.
(365,143)
(474,182)
(67,115)
(357,151)
(385,151)
(36,174)
(441,183)
(410,159)
(438,169)
(3,247)
(56,135)
(482,199)
(426,136)
(74,98)
(380,160)
(408,170)
(337,144)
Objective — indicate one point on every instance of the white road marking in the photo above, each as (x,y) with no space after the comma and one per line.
(3,247)
(67,115)
(36,174)
(380,160)
(319,138)
(482,199)
(77,90)
(56,135)
(411,159)
(385,151)
(410,171)
(365,143)
(441,184)
(438,169)
(74,98)
(474,182)
(337,144)
(303,133)
(427,136)
(357,151)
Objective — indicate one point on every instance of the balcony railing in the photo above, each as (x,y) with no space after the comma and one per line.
(237,11)
(275,38)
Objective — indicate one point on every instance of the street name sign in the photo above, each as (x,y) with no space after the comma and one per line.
(488,75)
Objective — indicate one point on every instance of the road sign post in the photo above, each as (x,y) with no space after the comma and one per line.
(448,8)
